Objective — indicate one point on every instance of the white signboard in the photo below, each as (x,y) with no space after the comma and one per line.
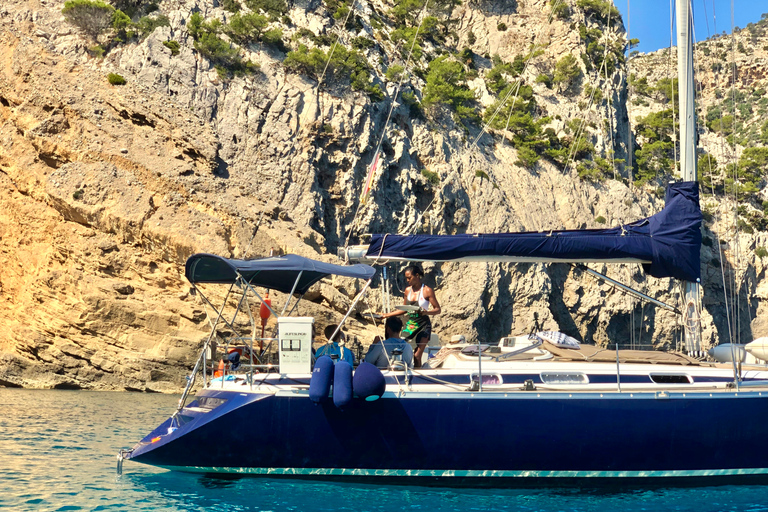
(295,338)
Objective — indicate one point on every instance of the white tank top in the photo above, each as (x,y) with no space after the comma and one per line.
(423,303)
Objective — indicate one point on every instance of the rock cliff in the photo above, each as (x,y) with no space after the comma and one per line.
(108,188)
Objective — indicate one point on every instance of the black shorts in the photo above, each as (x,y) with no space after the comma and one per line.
(422,335)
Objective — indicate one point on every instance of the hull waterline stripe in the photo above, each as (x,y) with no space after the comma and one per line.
(450,473)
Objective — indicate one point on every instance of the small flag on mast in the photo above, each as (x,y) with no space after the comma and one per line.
(369,179)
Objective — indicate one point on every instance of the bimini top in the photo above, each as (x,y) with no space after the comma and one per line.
(276,273)
(668,244)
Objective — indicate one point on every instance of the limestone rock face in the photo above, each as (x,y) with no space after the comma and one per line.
(106,190)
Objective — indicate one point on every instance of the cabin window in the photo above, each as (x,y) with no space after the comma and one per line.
(208,402)
(564,378)
(489,379)
(671,378)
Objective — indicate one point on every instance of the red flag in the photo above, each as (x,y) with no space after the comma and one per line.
(369,179)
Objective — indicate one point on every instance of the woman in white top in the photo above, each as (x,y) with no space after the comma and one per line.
(419,327)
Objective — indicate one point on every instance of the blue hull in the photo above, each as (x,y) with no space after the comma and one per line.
(490,435)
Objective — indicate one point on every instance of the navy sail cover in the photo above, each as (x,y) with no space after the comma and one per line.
(275,273)
(668,243)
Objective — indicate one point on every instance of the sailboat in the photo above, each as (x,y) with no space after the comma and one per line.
(537,407)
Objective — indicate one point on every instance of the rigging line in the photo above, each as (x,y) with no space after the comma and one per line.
(737,251)
(516,89)
(391,109)
(330,56)
(256,230)
(711,174)
(335,44)
(706,16)
(605,57)
(729,282)
(581,129)
(740,261)
(630,142)
(675,137)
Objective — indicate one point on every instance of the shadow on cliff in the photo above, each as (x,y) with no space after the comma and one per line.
(635,327)
(558,273)
(727,301)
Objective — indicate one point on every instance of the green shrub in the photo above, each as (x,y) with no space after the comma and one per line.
(216,49)
(394,73)
(595,93)
(495,79)
(404,36)
(273,36)
(116,79)
(147,24)
(545,79)
(305,61)
(120,20)
(362,43)
(77,194)
(173,46)
(97,50)
(600,9)
(566,71)
(446,85)
(245,28)
(224,57)
(560,9)
(526,157)
(231,5)
(91,16)
(415,109)
(131,7)
(501,27)
(761,252)
(745,227)
(272,8)
(667,89)
(482,175)
(375,93)
(303,32)
(600,219)
(432,177)
(655,157)
(343,63)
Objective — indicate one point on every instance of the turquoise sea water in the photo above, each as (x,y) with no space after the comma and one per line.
(58,452)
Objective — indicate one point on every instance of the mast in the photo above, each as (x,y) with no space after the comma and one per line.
(687,118)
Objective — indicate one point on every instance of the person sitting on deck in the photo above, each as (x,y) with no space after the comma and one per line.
(229,362)
(336,346)
(380,353)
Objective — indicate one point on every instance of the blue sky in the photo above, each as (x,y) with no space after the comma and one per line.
(649,19)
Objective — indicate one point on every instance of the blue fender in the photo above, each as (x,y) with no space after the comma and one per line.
(368,382)
(342,384)
(320,382)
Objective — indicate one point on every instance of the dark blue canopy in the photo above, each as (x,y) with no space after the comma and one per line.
(276,273)
(668,243)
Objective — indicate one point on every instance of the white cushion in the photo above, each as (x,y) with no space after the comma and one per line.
(559,339)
